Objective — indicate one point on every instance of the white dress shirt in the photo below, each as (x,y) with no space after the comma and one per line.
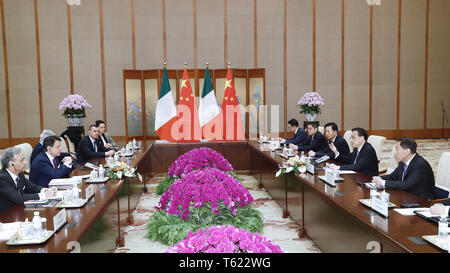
(407,164)
(55,167)
(41,194)
(95,146)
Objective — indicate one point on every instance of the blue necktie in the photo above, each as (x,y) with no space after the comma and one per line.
(357,154)
(95,147)
(404,171)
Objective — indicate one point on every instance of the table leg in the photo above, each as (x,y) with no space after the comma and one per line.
(120,241)
(130,219)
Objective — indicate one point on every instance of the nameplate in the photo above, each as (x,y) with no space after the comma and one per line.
(89,192)
(59,219)
(310,168)
(380,205)
(330,179)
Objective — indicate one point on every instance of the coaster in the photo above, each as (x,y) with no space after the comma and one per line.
(417,240)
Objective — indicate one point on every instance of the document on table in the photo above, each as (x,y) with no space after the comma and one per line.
(410,211)
(346,172)
(7,230)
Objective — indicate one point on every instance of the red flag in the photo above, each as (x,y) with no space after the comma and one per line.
(233,128)
(187,125)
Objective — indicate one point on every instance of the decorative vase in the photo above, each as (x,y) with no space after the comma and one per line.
(75,120)
(302,169)
(311,117)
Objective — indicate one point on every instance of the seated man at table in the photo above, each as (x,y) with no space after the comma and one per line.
(315,141)
(47,166)
(15,189)
(299,134)
(413,174)
(104,137)
(91,147)
(363,158)
(334,139)
(40,147)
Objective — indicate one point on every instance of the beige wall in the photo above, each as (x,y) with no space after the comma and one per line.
(240,46)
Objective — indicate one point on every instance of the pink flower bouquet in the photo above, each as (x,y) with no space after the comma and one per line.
(310,103)
(224,239)
(74,105)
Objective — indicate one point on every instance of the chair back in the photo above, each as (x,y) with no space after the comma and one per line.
(347,136)
(393,163)
(27,150)
(443,172)
(377,143)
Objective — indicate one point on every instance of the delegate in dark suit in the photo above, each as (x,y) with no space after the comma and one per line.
(299,137)
(86,150)
(39,148)
(341,146)
(42,170)
(10,195)
(314,143)
(366,161)
(418,179)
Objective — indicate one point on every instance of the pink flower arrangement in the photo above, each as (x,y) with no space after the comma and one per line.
(224,239)
(311,102)
(201,187)
(74,105)
(197,159)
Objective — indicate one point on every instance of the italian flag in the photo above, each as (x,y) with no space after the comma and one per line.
(209,113)
(166,112)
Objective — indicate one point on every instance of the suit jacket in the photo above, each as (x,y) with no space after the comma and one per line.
(109,139)
(418,179)
(42,170)
(314,143)
(86,152)
(299,137)
(366,163)
(341,145)
(10,195)
(39,148)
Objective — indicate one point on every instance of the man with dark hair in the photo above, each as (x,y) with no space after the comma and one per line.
(40,147)
(334,140)
(15,189)
(91,147)
(363,159)
(413,174)
(315,142)
(47,165)
(299,134)
(104,137)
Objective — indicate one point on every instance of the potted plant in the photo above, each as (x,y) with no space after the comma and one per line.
(310,104)
(74,109)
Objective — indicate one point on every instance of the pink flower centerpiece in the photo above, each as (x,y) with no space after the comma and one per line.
(310,104)
(204,187)
(74,105)
(224,239)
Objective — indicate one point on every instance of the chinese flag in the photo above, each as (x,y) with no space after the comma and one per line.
(233,128)
(188,124)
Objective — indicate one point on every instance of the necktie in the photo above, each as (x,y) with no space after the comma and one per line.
(95,146)
(404,171)
(17,184)
(55,163)
(356,158)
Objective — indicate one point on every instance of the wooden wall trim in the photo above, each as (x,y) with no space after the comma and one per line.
(255,33)
(69,34)
(371,69)
(427,38)
(399,48)
(102,56)
(343,65)
(285,65)
(38,56)
(133,34)
(5,60)
(164,30)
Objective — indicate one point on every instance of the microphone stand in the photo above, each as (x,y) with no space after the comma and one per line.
(444,115)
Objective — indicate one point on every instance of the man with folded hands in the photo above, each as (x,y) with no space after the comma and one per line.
(413,174)
(15,189)
(47,165)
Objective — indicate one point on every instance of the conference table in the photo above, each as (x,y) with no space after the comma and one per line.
(79,220)
(332,217)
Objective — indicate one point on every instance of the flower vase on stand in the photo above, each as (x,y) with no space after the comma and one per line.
(311,116)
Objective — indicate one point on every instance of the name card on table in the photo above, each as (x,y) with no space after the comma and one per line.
(310,168)
(380,205)
(89,192)
(59,219)
(330,178)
